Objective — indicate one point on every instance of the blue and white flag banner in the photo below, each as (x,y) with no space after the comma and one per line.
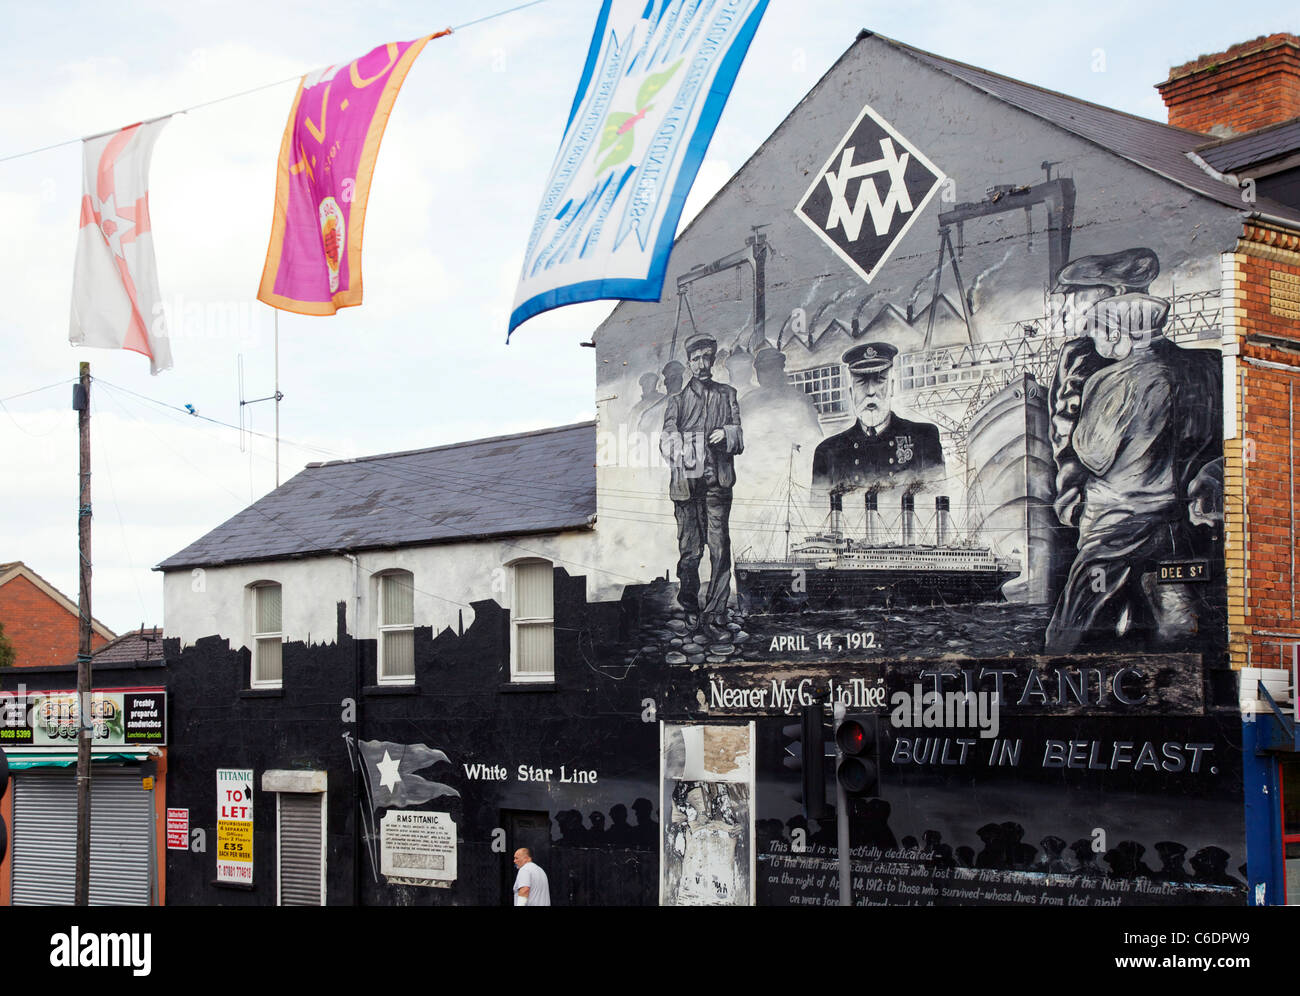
(657,76)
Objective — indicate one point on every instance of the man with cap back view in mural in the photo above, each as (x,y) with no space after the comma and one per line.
(701,437)
(879,447)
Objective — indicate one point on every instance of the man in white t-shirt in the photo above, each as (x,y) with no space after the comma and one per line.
(531,886)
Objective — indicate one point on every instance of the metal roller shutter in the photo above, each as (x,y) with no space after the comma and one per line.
(302,857)
(45,839)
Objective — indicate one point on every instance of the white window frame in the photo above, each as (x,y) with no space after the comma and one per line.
(256,637)
(382,628)
(516,622)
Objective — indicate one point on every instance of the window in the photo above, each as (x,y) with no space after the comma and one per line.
(532,650)
(268,636)
(825,385)
(396,628)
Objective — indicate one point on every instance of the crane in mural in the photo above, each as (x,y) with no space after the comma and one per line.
(754,255)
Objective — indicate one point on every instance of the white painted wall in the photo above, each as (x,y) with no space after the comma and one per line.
(217,602)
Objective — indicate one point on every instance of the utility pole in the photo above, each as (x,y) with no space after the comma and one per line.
(278,396)
(842,815)
(81,404)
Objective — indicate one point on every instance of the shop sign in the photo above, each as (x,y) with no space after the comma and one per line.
(120,718)
(178,829)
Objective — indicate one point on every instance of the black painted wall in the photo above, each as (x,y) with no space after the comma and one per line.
(463,704)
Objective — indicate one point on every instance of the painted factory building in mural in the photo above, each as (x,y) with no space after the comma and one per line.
(930,417)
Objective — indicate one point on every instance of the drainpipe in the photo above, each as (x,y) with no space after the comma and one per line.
(358,787)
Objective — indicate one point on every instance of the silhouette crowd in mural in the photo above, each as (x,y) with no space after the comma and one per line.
(617,831)
(1002,847)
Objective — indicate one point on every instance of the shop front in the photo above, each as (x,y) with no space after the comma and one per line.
(128,797)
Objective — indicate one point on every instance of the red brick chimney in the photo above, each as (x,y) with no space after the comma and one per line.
(1253,84)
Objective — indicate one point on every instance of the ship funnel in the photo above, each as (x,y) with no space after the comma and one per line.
(942,520)
(873,507)
(909,519)
(837,510)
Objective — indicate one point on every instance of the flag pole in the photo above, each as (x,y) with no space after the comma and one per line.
(81,403)
(277,397)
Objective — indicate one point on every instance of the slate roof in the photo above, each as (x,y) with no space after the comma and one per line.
(1158,147)
(1260,146)
(531,482)
(131,648)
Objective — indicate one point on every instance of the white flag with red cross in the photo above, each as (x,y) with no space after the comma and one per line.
(115,298)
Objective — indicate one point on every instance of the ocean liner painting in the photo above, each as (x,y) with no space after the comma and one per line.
(832,570)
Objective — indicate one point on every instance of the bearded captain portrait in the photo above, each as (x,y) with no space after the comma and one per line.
(880,448)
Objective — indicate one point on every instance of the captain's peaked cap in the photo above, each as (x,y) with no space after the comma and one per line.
(870,359)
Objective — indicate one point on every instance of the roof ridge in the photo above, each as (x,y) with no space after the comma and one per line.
(1219,143)
(452,446)
(1033,86)
(1157,147)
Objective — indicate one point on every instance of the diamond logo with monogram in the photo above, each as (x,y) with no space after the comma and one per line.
(872,188)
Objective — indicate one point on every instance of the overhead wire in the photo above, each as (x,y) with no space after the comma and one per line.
(470,488)
(465,480)
(470,484)
(468,534)
(262,512)
(488,487)
(241,93)
(664,518)
(38,390)
(117,507)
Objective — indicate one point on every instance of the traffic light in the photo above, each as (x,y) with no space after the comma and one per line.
(806,754)
(4,785)
(859,765)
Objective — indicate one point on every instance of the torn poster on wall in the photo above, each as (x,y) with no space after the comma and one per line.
(706,792)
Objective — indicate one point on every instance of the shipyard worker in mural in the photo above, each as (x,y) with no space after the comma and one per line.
(701,438)
(648,415)
(1144,464)
(879,447)
(1089,279)
(781,427)
(1083,283)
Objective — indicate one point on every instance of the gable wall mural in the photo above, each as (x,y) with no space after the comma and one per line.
(932,402)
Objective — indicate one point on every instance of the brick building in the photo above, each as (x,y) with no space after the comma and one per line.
(39,620)
(1249,96)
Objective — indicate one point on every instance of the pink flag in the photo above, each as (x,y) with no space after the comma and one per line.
(327,157)
(115,299)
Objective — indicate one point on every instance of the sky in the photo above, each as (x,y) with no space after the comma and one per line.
(423,361)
